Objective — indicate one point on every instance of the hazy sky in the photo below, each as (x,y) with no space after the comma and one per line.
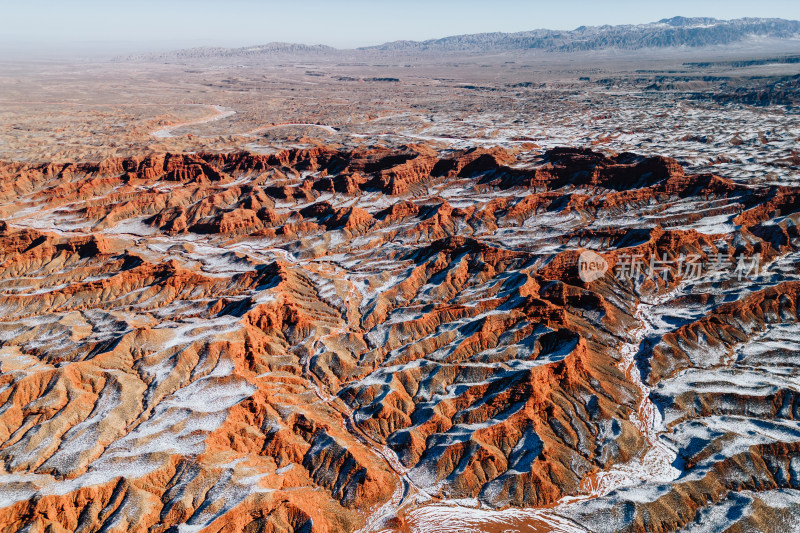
(149,25)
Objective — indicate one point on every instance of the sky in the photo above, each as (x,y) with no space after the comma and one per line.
(111,26)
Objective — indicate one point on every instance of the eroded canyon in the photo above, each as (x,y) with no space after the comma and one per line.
(328,339)
(432,287)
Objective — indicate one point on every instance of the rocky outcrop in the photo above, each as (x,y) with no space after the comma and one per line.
(311,340)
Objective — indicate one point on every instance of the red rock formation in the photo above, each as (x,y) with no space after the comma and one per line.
(293,341)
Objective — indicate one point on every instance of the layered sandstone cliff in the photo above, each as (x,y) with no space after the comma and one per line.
(325,340)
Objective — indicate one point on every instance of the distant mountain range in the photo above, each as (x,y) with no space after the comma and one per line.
(677,31)
(673,32)
(246,51)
